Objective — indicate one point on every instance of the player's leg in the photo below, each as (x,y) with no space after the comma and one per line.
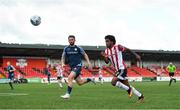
(70,81)
(174,79)
(101,80)
(125,82)
(59,81)
(48,79)
(10,83)
(122,77)
(10,77)
(81,81)
(65,81)
(70,84)
(133,90)
(78,78)
(171,79)
(115,82)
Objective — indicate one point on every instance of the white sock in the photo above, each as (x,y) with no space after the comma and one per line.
(101,81)
(136,92)
(121,85)
(60,85)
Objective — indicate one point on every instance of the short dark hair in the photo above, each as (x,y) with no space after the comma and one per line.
(71,36)
(111,38)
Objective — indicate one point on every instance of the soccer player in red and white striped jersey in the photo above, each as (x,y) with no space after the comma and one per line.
(113,54)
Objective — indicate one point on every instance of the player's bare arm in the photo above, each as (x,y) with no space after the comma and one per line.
(13,69)
(87,59)
(63,59)
(129,50)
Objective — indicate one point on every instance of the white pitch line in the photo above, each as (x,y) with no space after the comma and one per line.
(13,94)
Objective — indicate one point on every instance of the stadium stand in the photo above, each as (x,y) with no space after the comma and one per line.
(32,71)
(31,59)
(158,70)
(2,73)
(108,69)
(86,73)
(131,73)
(143,72)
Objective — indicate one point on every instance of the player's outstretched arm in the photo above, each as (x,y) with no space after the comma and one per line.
(14,69)
(129,50)
(87,59)
(63,59)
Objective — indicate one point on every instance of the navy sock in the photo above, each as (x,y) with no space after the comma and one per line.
(11,85)
(88,79)
(69,89)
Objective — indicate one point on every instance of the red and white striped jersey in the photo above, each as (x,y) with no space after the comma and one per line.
(59,71)
(115,56)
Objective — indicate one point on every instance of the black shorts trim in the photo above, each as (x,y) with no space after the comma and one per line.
(59,77)
(122,72)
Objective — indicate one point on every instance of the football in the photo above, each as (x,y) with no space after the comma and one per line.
(35,20)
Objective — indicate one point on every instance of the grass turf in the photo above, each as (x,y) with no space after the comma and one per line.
(158,95)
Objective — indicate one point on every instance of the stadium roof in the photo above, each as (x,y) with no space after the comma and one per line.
(55,51)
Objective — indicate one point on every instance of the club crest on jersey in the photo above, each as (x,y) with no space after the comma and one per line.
(75,49)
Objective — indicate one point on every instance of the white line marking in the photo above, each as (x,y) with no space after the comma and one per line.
(12,94)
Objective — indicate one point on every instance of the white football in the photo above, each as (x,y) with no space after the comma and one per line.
(35,20)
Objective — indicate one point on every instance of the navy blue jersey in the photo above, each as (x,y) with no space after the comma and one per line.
(47,71)
(10,67)
(73,55)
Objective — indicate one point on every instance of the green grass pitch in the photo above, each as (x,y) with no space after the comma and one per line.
(158,95)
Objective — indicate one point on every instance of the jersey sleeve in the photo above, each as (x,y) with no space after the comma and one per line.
(12,67)
(81,50)
(121,48)
(64,52)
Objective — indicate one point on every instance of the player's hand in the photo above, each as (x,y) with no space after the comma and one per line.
(89,66)
(103,54)
(63,67)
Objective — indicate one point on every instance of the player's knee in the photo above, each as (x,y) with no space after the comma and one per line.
(113,83)
(79,83)
(70,80)
(114,80)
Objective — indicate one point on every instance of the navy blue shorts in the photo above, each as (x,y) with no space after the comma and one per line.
(11,76)
(77,71)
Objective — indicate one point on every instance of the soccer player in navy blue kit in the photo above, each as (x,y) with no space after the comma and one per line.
(47,71)
(73,54)
(10,71)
